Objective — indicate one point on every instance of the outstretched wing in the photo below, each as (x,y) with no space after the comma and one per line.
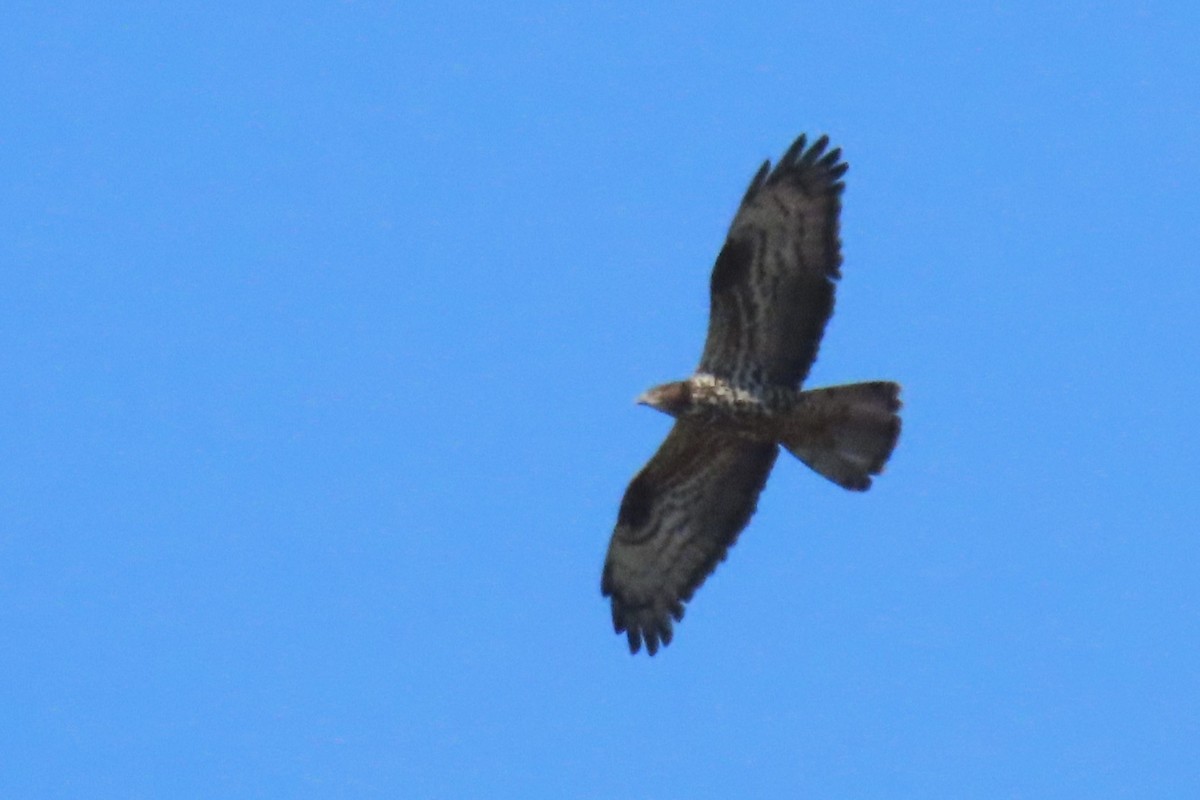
(773,283)
(678,518)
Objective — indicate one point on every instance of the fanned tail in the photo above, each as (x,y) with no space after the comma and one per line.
(846,433)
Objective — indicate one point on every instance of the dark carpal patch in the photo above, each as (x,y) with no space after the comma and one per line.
(733,265)
(636,505)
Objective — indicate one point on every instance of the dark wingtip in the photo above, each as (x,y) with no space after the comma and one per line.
(831,158)
(818,147)
(641,627)
(801,163)
(617,620)
(795,150)
(757,181)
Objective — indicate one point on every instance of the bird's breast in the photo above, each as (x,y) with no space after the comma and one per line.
(744,411)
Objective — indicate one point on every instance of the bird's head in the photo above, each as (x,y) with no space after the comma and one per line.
(669,398)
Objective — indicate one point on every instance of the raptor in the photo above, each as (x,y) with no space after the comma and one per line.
(771,295)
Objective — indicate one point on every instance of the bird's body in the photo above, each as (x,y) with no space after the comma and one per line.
(772,293)
(743,410)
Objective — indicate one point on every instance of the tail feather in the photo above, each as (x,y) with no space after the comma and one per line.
(846,433)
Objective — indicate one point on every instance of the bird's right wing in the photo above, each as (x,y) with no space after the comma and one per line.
(678,518)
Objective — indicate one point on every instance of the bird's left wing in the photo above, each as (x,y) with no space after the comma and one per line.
(773,284)
(678,518)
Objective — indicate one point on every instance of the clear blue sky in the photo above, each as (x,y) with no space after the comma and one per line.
(320,327)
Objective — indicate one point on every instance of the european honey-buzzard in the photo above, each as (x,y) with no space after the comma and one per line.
(772,293)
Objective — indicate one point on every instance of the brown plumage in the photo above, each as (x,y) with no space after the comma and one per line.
(772,293)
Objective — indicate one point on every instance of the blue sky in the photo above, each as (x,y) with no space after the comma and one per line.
(322,324)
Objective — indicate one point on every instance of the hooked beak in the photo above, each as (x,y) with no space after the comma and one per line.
(643,399)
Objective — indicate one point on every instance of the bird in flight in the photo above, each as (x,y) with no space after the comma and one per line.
(772,293)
